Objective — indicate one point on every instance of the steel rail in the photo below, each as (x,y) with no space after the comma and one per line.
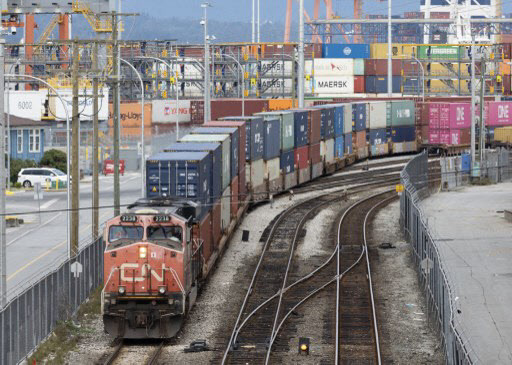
(156,354)
(113,356)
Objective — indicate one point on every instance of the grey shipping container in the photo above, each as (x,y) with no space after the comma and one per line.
(180,174)
(254,135)
(287,127)
(234,134)
(402,113)
(272,130)
(300,118)
(215,149)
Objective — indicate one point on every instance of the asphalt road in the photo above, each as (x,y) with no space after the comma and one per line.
(40,244)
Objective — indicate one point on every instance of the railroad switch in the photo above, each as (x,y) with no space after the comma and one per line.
(197,346)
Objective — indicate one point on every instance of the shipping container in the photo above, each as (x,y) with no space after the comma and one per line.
(332,67)
(273,175)
(235,197)
(272,138)
(360,113)
(379,84)
(234,143)
(503,135)
(339,119)
(314,153)
(216,222)
(441,52)
(348,118)
(203,231)
(498,113)
(404,147)
(225,209)
(377,136)
(380,50)
(359,139)
(359,69)
(333,85)
(180,174)
(225,141)
(221,108)
(300,132)
(215,149)
(254,135)
(460,115)
(165,111)
(339,147)
(314,126)
(287,127)
(327,115)
(402,113)
(302,157)
(379,150)
(434,136)
(327,150)
(287,162)
(28,104)
(281,104)
(379,67)
(378,117)
(403,134)
(256,174)
(359,85)
(348,143)
(332,50)
(242,138)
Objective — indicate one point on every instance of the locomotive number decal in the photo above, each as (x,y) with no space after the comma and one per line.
(127,269)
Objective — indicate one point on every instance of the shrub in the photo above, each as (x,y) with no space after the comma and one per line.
(17,165)
(55,159)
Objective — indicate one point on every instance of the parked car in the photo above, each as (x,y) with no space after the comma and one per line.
(29,176)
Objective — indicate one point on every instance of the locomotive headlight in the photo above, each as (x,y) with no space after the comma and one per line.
(121,290)
(161,290)
(143,251)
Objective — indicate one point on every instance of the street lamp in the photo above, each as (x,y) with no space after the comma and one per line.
(243,82)
(9,129)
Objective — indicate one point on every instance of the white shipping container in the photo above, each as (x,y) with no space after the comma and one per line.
(327,150)
(225,209)
(257,169)
(333,67)
(276,85)
(25,104)
(164,111)
(377,115)
(272,169)
(275,68)
(333,85)
(347,118)
(85,102)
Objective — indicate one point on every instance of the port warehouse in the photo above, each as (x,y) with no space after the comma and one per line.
(334,73)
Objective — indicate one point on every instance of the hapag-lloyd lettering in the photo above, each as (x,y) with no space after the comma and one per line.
(127,116)
(332,84)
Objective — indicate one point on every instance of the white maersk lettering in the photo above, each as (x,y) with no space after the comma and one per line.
(333,84)
(126,267)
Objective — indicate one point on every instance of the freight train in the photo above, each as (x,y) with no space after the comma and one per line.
(161,250)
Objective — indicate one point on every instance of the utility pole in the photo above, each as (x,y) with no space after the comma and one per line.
(95,148)
(258,21)
(116,102)
(253,34)
(473,105)
(481,143)
(206,65)
(390,67)
(301,54)
(75,156)
(3,243)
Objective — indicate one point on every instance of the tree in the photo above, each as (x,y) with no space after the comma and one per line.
(54,158)
(17,165)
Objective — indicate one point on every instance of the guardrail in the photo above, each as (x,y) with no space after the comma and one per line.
(30,317)
(441,299)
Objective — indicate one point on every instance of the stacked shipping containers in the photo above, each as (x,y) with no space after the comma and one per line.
(377,125)
(360,113)
(301,132)
(327,147)
(445,123)
(402,122)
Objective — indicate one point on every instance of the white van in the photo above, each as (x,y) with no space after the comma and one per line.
(29,176)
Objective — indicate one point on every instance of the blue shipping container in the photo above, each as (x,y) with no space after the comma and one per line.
(180,174)
(254,136)
(215,150)
(413,86)
(377,136)
(333,50)
(359,111)
(287,163)
(272,139)
(348,143)
(403,134)
(379,84)
(338,120)
(300,119)
(465,162)
(233,132)
(339,146)
(327,127)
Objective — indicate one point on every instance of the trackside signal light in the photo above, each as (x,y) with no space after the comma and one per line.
(303,346)
(143,252)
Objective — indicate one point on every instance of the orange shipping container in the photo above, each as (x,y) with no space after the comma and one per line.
(282,104)
(505,67)
(131,115)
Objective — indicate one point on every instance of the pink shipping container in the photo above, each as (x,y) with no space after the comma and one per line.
(434,136)
(433,115)
(460,115)
(444,116)
(444,136)
(498,113)
(455,136)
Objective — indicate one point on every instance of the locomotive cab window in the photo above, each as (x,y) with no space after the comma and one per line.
(120,234)
(172,235)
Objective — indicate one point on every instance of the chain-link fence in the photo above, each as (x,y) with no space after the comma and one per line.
(432,275)
(32,315)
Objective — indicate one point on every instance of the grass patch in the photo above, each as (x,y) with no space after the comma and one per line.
(66,335)
(482,182)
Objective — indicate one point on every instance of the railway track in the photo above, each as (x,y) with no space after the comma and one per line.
(136,353)
(266,306)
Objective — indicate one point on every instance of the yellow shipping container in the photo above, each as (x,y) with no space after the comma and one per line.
(503,134)
(438,86)
(444,69)
(398,50)
(281,104)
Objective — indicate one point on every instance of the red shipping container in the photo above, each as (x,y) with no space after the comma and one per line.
(465,136)
(359,84)
(203,231)
(460,115)
(434,136)
(234,196)
(506,85)
(360,139)
(314,125)
(314,153)
(241,140)
(498,113)
(233,107)
(302,157)
(216,223)
(379,67)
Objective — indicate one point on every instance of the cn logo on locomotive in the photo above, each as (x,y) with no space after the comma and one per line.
(129,268)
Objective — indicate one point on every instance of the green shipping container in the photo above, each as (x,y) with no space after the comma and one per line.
(359,67)
(440,52)
(287,127)
(402,113)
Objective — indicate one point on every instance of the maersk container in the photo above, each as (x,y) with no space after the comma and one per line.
(180,174)
(378,136)
(287,127)
(333,50)
(272,131)
(360,114)
(402,113)
(403,134)
(225,209)
(327,120)
(225,141)
(348,143)
(300,131)
(378,114)
(287,161)
(254,135)
(215,149)
(348,118)
(339,147)
(235,137)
